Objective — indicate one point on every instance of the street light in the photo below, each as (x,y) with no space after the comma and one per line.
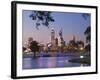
(81,57)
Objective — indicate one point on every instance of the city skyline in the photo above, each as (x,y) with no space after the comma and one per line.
(70,23)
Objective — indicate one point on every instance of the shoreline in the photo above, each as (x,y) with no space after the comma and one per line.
(85,60)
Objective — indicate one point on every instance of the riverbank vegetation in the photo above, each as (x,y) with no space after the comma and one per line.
(85,60)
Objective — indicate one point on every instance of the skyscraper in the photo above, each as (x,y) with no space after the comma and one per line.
(52,36)
(73,38)
(60,38)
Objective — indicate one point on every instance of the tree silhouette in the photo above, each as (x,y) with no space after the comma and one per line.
(88,38)
(88,34)
(80,43)
(33,45)
(41,18)
(72,44)
(85,15)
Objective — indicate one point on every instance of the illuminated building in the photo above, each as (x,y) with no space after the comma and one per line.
(61,41)
(73,38)
(52,37)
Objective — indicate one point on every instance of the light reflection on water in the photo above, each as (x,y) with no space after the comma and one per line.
(49,62)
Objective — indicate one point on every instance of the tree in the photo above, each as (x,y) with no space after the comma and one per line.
(33,45)
(87,33)
(80,44)
(72,44)
(41,18)
(85,15)
(88,38)
(24,49)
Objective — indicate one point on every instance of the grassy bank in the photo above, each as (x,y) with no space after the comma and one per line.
(85,60)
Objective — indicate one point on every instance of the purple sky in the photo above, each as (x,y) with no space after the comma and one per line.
(71,24)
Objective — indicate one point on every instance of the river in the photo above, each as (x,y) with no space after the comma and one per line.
(50,62)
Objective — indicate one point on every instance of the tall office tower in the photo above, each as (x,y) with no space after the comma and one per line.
(60,39)
(52,37)
(73,38)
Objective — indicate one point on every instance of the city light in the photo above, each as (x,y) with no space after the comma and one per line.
(81,48)
(81,57)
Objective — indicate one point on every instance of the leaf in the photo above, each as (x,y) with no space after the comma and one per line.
(31,15)
(85,15)
(34,18)
(42,17)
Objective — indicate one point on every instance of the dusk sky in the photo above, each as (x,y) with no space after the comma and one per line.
(71,24)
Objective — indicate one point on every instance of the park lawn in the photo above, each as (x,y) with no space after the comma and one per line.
(85,60)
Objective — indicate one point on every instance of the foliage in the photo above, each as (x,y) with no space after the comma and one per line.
(80,43)
(88,30)
(33,46)
(88,34)
(85,60)
(42,18)
(85,15)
